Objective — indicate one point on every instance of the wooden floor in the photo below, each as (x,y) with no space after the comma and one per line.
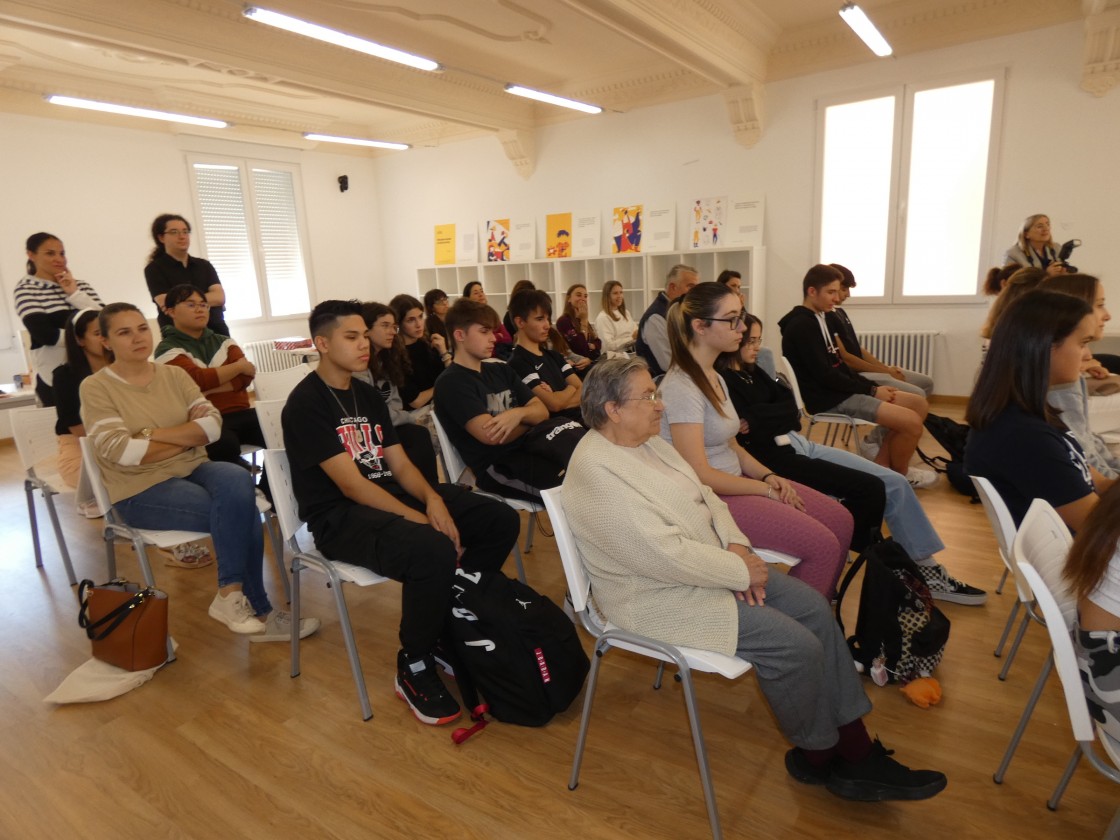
(224,744)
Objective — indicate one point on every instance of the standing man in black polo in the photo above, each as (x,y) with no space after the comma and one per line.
(653,331)
(170,265)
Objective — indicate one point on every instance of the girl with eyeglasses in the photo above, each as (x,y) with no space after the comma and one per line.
(701,424)
(170,265)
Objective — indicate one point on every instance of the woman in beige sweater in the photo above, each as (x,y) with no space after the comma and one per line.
(149,425)
(667,560)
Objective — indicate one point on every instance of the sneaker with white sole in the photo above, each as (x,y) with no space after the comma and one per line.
(234,612)
(419,685)
(921,479)
(945,587)
(278,627)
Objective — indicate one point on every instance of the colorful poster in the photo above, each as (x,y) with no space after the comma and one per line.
(523,241)
(708,222)
(626,229)
(558,235)
(445,244)
(744,224)
(587,235)
(497,240)
(659,228)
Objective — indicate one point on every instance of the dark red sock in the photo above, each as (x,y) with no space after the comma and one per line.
(820,758)
(854,744)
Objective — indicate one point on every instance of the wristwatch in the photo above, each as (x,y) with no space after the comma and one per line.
(146,433)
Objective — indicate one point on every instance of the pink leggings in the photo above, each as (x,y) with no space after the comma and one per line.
(820,536)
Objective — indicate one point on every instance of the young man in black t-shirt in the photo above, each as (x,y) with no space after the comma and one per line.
(501,430)
(543,371)
(367,504)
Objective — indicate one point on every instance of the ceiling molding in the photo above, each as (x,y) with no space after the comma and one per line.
(520,147)
(1100,72)
(745,110)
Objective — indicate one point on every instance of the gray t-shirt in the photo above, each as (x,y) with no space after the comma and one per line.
(685,403)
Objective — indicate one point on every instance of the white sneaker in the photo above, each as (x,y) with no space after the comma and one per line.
(278,627)
(921,479)
(234,612)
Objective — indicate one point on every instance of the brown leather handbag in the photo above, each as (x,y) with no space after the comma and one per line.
(126,623)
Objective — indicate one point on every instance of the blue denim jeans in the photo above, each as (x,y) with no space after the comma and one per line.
(218,498)
(904,515)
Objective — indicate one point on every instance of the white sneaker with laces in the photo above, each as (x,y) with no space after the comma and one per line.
(234,612)
(278,627)
(921,479)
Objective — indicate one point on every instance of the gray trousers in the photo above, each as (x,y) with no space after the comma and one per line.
(916,383)
(804,666)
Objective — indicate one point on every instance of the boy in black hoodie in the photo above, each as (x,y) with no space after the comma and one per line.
(827,384)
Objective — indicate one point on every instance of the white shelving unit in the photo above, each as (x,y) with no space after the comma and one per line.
(642,276)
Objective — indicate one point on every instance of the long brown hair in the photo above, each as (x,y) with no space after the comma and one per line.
(1018,284)
(391,363)
(1083,286)
(570,311)
(608,288)
(1095,545)
(703,303)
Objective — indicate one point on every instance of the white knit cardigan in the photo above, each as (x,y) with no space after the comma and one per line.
(657,567)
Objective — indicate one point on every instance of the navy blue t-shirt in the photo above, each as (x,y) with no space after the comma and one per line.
(1026,458)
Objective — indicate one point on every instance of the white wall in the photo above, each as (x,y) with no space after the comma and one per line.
(1057,156)
(99,188)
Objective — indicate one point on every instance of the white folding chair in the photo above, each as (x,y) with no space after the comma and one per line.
(268,416)
(456,468)
(36,443)
(609,636)
(276,385)
(1004,528)
(337,573)
(1059,608)
(1043,542)
(835,420)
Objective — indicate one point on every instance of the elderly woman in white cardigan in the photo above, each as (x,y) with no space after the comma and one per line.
(667,560)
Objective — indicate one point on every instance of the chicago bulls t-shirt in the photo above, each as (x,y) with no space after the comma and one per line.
(321,422)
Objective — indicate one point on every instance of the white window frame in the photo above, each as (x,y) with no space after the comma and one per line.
(896,230)
(244,166)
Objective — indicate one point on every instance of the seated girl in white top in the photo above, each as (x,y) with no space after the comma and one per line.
(614,325)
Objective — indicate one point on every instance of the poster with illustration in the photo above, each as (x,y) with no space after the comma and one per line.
(558,235)
(626,229)
(708,222)
(497,240)
(445,244)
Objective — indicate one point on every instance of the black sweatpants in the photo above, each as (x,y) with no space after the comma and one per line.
(239,428)
(539,462)
(421,558)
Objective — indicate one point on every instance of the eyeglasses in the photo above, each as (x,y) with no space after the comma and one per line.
(735,322)
(655,397)
(176,232)
(753,342)
(385,325)
(194,306)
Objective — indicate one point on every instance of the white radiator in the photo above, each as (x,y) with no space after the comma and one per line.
(912,350)
(267,359)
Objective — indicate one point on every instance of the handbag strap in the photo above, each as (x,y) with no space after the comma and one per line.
(117,616)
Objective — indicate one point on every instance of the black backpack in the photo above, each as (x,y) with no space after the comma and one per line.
(515,647)
(953,437)
(897,620)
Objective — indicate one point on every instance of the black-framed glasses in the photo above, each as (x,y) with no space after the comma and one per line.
(735,322)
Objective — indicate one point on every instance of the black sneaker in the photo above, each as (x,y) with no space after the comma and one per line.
(944,587)
(419,685)
(798,766)
(879,777)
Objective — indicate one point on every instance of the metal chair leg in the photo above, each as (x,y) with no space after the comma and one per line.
(701,752)
(1023,720)
(149,580)
(110,554)
(296,567)
(1063,782)
(1007,629)
(1002,581)
(62,549)
(529,535)
(517,560)
(660,674)
(585,718)
(272,527)
(1015,645)
(29,489)
(351,646)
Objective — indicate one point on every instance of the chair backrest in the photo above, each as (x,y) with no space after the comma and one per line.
(93,472)
(453,463)
(284,503)
(268,416)
(1043,541)
(276,385)
(1003,526)
(791,378)
(33,431)
(579,584)
(1065,660)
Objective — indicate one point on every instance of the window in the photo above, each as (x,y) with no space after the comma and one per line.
(905,189)
(249,222)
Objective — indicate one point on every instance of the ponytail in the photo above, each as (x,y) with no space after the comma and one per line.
(702,303)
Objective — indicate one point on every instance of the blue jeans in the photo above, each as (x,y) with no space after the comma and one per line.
(904,515)
(218,498)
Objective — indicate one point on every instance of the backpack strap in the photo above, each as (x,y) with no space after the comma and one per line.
(857,564)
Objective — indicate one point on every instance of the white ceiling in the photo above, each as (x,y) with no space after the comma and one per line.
(203,57)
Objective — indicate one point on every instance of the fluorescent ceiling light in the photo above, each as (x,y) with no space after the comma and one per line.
(109,107)
(355,141)
(552,99)
(859,22)
(339,39)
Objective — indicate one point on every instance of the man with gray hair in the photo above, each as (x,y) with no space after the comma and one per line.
(653,331)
